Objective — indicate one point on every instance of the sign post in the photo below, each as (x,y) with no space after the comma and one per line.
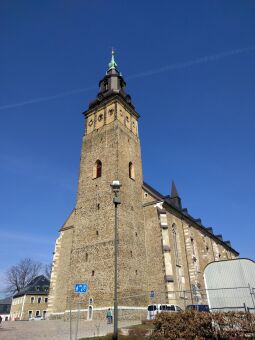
(70,316)
(152,296)
(79,288)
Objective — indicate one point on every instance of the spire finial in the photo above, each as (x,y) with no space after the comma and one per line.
(112,64)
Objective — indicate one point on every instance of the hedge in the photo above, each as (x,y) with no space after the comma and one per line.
(200,325)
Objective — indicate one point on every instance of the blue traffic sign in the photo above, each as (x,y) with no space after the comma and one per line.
(81,288)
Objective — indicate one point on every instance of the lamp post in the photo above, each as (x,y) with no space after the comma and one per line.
(116,201)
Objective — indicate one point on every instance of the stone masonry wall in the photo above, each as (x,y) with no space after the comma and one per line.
(91,245)
(177,253)
(61,268)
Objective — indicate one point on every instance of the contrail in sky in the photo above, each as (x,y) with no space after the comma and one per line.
(185,64)
(176,66)
(44,99)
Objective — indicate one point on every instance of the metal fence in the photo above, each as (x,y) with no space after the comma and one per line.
(224,299)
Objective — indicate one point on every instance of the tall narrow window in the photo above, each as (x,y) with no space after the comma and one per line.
(90,313)
(131,170)
(175,245)
(97,170)
(192,246)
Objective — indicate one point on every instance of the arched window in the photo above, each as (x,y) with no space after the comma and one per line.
(131,170)
(97,170)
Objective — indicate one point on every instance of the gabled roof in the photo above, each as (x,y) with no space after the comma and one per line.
(39,285)
(168,202)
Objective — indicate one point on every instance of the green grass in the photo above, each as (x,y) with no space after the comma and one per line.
(121,337)
(141,326)
(148,325)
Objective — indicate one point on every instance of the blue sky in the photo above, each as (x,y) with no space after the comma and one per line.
(190,69)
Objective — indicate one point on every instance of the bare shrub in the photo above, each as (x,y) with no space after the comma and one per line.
(233,324)
(138,332)
(197,325)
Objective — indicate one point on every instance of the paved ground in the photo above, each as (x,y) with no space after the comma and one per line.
(55,329)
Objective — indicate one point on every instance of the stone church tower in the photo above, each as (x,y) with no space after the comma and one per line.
(161,248)
(85,249)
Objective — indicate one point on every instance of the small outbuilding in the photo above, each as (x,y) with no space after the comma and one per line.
(31,301)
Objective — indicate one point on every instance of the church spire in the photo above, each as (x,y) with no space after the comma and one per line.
(174,192)
(175,198)
(113,84)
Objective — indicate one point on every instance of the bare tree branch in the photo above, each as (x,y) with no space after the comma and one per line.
(47,270)
(18,276)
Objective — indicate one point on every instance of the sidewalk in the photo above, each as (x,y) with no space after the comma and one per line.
(56,329)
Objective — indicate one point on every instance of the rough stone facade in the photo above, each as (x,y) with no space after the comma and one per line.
(180,248)
(161,247)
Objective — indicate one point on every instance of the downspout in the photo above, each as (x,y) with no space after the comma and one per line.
(24,297)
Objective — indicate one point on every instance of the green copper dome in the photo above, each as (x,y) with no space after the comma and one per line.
(112,64)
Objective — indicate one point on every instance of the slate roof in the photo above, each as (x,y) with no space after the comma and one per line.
(6,301)
(38,286)
(168,202)
(5,305)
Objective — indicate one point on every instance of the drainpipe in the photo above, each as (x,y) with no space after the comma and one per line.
(24,297)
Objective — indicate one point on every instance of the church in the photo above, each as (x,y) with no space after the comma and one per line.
(161,247)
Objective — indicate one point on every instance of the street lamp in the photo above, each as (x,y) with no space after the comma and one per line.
(116,201)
